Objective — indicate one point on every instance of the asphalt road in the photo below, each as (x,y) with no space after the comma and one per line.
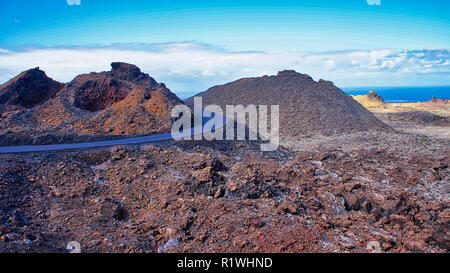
(106,143)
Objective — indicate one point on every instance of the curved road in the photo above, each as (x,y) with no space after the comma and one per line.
(106,143)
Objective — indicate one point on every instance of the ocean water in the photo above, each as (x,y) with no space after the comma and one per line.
(403,94)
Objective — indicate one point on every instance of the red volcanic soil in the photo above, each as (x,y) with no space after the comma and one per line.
(98,91)
(95,92)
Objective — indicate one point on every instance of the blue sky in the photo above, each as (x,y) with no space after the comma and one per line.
(349,42)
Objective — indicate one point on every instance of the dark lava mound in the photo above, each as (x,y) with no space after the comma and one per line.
(307,107)
(29,88)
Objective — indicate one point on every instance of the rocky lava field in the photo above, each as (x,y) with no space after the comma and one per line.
(386,192)
(222,197)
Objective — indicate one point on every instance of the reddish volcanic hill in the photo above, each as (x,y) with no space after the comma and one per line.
(123,101)
(374,96)
(29,88)
(98,91)
(307,107)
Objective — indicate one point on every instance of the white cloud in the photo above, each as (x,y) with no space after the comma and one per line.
(73,2)
(374,2)
(4,51)
(330,64)
(196,67)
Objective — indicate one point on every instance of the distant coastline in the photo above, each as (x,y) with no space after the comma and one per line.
(403,94)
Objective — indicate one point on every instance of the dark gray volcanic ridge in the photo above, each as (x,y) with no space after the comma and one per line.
(307,107)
